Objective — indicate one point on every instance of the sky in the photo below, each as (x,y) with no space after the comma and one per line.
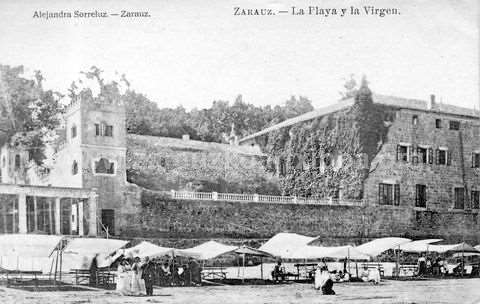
(193,52)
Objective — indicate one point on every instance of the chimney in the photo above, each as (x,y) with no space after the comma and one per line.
(186,137)
(431,102)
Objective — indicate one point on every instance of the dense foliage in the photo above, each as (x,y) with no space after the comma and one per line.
(29,114)
(211,124)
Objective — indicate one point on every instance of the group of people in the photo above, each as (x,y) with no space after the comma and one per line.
(135,277)
(425,266)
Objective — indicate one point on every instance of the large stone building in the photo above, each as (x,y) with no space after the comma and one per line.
(415,155)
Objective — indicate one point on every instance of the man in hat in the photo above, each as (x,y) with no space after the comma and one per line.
(148,275)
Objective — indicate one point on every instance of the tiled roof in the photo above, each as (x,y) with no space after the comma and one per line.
(393,101)
(304,117)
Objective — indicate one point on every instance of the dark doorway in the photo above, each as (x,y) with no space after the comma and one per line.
(108,221)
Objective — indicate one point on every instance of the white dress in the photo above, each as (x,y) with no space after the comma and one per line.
(123,281)
(137,283)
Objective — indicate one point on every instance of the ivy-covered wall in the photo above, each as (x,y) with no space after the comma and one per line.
(330,155)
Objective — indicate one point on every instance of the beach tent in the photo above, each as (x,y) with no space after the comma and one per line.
(210,250)
(245,250)
(460,247)
(28,252)
(309,252)
(79,252)
(144,249)
(377,246)
(418,246)
(284,244)
(151,250)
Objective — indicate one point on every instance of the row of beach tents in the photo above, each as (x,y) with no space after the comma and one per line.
(29,252)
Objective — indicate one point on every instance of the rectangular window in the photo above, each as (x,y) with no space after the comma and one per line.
(442,157)
(454,125)
(476,160)
(402,153)
(459,198)
(414,120)
(109,131)
(475,199)
(438,123)
(97,129)
(422,155)
(74,131)
(420,196)
(389,194)
(283,167)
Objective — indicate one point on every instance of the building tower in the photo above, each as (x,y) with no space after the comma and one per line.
(95,155)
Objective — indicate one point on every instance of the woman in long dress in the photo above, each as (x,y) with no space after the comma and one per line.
(123,280)
(137,284)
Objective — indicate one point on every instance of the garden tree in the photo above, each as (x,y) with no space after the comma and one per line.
(350,87)
(29,114)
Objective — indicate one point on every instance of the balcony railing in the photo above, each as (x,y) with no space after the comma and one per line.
(258,198)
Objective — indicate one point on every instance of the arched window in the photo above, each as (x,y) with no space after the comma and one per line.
(104,166)
(17,161)
(74,168)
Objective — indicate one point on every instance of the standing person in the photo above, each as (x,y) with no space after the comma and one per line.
(148,275)
(422,265)
(138,285)
(195,271)
(323,280)
(123,281)
(93,271)
(164,274)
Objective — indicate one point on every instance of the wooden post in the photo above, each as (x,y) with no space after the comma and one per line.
(22,214)
(35,214)
(57,216)
(50,218)
(261,268)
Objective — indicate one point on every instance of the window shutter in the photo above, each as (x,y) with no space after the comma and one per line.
(398,152)
(473,160)
(449,158)
(437,156)
(430,155)
(380,194)
(410,154)
(397,195)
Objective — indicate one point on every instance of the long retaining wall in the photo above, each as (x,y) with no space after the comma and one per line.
(182,221)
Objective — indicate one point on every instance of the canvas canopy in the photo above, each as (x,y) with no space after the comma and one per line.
(418,246)
(151,250)
(284,244)
(210,250)
(309,252)
(145,249)
(377,246)
(79,252)
(27,252)
(477,247)
(252,251)
(461,247)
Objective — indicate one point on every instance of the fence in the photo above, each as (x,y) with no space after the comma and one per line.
(257,198)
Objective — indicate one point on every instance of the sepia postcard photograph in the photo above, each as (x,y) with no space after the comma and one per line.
(239,151)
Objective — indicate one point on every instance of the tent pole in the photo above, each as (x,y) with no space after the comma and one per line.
(261,268)
(397,266)
(243,273)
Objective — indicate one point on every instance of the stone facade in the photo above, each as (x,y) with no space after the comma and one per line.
(162,163)
(421,157)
